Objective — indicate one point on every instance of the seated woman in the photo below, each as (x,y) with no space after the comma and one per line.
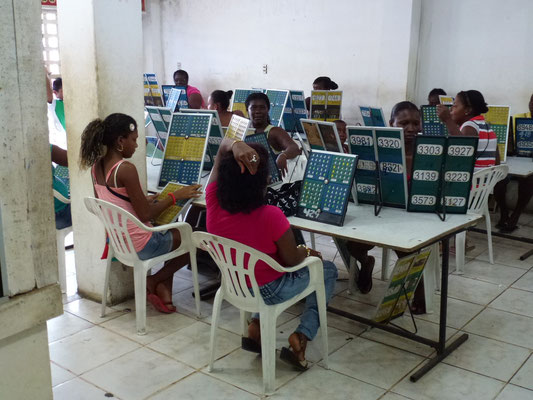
(194,97)
(258,106)
(219,100)
(433,96)
(236,209)
(321,83)
(407,116)
(105,146)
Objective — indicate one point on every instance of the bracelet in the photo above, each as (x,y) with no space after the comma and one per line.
(173,197)
(307,249)
(235,141)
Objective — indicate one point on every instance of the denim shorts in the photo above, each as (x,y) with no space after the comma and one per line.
(159,244)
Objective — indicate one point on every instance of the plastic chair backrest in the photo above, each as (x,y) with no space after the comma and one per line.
(116,221)
(232,258)
(482,184)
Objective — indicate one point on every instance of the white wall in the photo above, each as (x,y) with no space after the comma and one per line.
(477,44)
(362,45)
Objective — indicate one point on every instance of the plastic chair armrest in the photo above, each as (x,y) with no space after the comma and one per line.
(183,227)
(312,262)
(60,197)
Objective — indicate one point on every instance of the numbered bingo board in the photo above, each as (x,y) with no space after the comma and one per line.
(318,104)
(425,186)
(372,116)
(261,138)
(61,172)
(431,123)
(333,105)
(215,135)
(524,136)
(498,118)
(361,141)
(390,147)
(295,110)
(278,100)
(326,187)
(171,213)
(152,93)
(458,170)
(185,148)
(310,127)
(183,100)
(238,126)
(239,99)
(160,117)
(330,136)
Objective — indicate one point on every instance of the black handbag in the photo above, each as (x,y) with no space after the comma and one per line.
(285,197)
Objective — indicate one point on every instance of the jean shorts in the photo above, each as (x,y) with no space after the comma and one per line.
(159,244)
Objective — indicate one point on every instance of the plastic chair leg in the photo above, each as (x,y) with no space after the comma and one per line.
(60,241)
(385,261)
(139,280)
(460,239)
(268,350)
(322,314)
(245,316)
(489,234)
(214,325)
(313,244)
(196,286)
(106,281)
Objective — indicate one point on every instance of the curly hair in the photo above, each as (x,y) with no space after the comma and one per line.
(242,192)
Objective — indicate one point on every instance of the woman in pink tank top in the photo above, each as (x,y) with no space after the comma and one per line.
(105,146)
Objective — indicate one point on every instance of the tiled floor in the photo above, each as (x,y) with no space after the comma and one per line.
(97,358)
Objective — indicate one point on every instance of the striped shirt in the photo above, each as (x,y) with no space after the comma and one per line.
(487,145)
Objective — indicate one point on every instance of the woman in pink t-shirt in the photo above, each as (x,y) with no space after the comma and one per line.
(237,210)
(104,147)
(194,97)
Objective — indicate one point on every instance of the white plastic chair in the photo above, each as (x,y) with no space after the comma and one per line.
(115,220)
(61,234)
(483,183)
(229,256)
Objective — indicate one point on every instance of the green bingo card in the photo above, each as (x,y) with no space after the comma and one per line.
(390,147)
(372,116)
(524,137)
(215,135)
(278,100)
(239,98)
(425,187)
(261,138)
(160,117)
(185,148)
(361,141)
(498,118)
(458,170)
(326,187)
(431,123)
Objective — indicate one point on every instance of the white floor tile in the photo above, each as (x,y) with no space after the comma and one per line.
(353,306)
(318,383)
(88,349)
(459,312)
(511,392)
(65,325)
(445,382)
(524,377)
(201,386)
(515,301)
(508,252)
(158,325)
(138,374)
(473,290)
(345,324)
(60,375)
(90,311)
(488,357)
(373,298)
(191,344)
(373,362)
(79,390)
(394,396)
(503,326)
(525,282)
(493,273)
(243,369)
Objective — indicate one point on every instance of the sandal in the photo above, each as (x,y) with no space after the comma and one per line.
(508,229)
(158,304)
(251,345)
(364,283)
(292,355)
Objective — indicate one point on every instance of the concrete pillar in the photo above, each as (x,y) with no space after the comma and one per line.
(101,49)
(26,206)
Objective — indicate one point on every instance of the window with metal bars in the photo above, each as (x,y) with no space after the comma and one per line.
(50,41)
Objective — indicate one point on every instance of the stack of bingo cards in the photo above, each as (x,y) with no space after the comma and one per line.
(171,213)
(237,128)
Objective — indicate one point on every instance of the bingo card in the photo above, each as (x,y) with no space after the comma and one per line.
(239,99)
(310,127)
(372,116)
(498,118)
(330,136)
(524,136)
(183,100)
(295,110)
(171,213)
(278,100)
(261,138)
(431,123)
(361,142)
(326,187)
(237,127)
(152,93)
(185,148)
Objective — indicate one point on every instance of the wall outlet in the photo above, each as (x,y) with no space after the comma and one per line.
(178,65)
(265,68)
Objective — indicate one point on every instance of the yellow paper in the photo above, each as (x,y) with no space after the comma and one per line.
(170,214)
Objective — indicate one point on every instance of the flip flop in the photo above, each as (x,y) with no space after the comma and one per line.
(158,303)
(288,355)
(251,345)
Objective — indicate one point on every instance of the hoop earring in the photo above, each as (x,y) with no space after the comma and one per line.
(121,149)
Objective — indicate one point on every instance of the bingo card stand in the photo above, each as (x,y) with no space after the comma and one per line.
(157,116)
(278,101)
